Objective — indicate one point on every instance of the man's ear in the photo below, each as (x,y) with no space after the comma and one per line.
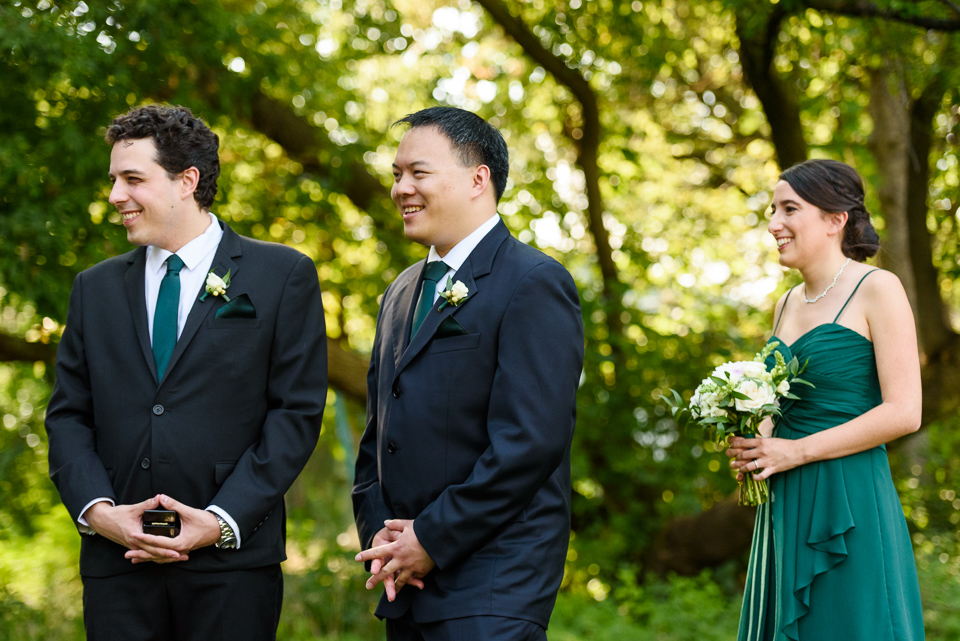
(480,181)
(189,179)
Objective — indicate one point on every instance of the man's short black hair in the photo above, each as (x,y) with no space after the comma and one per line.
(474,140)
(182,141)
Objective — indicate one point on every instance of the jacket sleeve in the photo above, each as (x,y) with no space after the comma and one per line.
(296,396)
(75,466)
(529,422)
(369,508)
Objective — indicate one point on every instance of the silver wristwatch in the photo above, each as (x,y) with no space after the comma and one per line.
(228,540)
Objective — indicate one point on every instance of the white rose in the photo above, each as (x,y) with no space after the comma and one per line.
(458,292)
(758,393)
(783,388)
(215,284)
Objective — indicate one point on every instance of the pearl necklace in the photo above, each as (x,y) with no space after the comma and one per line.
(829,287)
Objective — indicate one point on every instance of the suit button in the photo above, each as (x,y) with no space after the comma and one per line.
(158,409)
(396,391)
(145,464)
(391,447)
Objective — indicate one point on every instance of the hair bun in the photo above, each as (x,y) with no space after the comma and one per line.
(860,238)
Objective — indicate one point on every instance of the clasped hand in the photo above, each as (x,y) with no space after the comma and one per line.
(123,524)
(396,558)
(769,455)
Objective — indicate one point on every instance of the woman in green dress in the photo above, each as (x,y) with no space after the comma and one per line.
(831,556)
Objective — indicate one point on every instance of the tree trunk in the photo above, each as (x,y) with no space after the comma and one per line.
(890,145)
(758,36)
(939,344)
(689,544)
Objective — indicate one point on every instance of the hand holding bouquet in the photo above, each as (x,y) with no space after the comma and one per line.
(735,399)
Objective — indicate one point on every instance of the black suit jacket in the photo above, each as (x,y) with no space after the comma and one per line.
(469,429)
(234,420)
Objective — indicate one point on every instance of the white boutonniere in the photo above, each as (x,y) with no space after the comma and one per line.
(454,294)
(216,286)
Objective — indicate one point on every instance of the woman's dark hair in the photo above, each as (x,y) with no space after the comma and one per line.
(182,141)
(836,187)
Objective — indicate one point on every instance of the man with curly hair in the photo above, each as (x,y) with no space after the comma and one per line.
(191,377)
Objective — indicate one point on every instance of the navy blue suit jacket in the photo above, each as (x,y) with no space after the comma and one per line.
(468,432)
(234,420)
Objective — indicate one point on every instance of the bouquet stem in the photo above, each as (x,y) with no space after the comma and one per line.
(752,491)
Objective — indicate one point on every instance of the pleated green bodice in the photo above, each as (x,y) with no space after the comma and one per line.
(831,556)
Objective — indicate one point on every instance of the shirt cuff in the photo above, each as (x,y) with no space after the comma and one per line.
(82,524)
(229,519)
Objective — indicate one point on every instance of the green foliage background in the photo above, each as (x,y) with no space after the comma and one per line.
(302,94)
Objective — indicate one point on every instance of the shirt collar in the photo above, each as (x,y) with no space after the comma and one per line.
(462,250)
(192,253)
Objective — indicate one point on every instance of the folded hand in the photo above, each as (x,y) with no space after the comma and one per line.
(397,558)
(122,524)
(198,528)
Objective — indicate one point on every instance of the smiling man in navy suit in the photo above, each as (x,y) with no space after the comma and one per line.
(462,490)
(183,391)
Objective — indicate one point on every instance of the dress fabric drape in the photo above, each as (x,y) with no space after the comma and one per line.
(831,555)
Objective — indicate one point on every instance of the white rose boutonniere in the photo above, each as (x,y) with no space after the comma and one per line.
(216,286)
(454,294)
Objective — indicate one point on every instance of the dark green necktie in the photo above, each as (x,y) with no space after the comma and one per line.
(165,315)
(431,276)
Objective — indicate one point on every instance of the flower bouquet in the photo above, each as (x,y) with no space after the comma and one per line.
(735,399)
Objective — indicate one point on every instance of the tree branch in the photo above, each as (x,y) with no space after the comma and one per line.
(860,9)
(952,5)
(14,349)
(589,145)
(279,122)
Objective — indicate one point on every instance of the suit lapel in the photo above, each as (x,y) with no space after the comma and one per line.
(136,297)
(228,249)
(402,310)
(477,265)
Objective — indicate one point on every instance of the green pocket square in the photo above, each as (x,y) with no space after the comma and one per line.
(450,327)
(239,307)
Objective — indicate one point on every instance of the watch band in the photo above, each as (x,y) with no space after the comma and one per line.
(228,540)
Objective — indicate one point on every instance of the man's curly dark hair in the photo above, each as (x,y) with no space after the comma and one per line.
(182,141)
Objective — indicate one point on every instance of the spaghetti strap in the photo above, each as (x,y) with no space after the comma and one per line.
(852,293)
(783,309)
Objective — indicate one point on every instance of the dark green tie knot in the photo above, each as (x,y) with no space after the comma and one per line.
(174,264)
(435,271)
(431,276)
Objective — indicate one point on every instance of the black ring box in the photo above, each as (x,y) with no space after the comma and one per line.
(161,523)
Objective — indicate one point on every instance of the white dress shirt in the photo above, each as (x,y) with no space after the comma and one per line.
(460,252)
(197,257)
